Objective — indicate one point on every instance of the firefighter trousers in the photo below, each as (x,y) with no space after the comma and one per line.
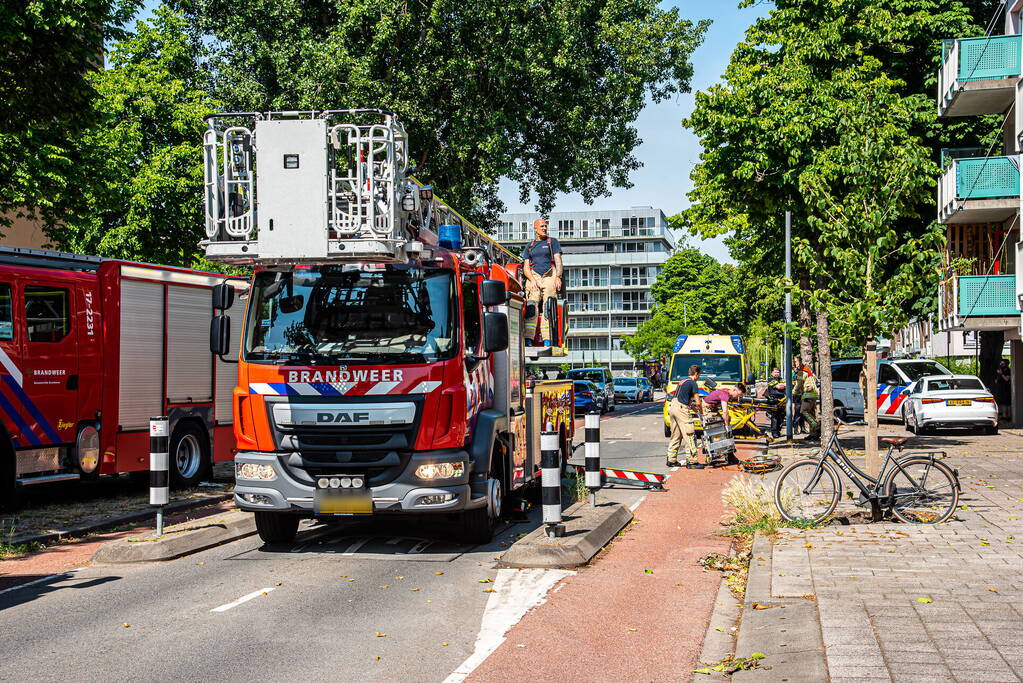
(808,409)
(683,432)
(538,295)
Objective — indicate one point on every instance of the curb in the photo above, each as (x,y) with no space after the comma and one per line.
(587,530)
(77,531)
(786,631)
(719,640)
(178,540)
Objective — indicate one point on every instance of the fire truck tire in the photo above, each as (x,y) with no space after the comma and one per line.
(276,527)
(10,492)
(189,455)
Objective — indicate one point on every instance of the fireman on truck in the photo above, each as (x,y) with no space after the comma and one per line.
(543,268)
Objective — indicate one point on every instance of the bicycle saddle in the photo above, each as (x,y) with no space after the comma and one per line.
(895,440)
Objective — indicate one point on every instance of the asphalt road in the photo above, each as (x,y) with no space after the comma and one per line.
(313,611)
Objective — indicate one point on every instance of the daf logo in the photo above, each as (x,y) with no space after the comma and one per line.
(341,418)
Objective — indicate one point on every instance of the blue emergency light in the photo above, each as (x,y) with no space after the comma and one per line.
(680,342)
(737,343)
(450,236)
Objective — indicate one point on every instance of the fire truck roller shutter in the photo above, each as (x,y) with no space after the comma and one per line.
(189,362)
(227,372)
(489,424)
(141,364)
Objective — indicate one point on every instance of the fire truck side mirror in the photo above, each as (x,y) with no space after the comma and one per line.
(495,331)
(220,335)
(223,297)
(493,293)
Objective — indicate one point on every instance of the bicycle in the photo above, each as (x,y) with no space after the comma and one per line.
(918,487)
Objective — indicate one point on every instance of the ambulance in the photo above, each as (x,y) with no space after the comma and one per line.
(721,357)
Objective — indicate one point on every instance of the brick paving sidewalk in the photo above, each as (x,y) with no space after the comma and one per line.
(869,580)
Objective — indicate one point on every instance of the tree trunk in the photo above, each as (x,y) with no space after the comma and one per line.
(827,399)
(991,344)
(805,323)
(870,407)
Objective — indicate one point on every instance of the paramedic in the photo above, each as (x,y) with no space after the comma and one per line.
(719,398)
(806,387)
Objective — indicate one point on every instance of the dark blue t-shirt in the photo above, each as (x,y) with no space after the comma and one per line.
(685,391)
(540,254)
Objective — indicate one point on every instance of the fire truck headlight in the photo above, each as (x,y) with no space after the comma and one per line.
(441,470)
(248,470)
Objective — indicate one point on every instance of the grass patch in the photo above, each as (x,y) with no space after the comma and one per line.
(11,550)
(576,486)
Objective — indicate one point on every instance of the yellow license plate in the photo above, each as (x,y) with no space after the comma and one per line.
(343,501)
(959,402)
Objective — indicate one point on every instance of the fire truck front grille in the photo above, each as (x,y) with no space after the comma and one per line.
(379,452)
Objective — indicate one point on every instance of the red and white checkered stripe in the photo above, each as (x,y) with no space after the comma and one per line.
(645,477)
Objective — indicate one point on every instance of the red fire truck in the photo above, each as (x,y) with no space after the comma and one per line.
(382,356)
(90,349)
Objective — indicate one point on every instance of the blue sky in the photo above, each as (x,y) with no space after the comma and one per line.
(669,152)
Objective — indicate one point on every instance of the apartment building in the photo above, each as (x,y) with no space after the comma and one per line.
(611,259)
(979,192)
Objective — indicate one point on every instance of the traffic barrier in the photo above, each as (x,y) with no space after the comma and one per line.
(648,480)
(593,455)
(550,484)
(159,475)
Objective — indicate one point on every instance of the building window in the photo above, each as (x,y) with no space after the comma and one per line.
(630,247)
(635,277)
(587,277)
(566,229)
(583,302)
(632,301)
(602,227)
(627,322)
(587,343)
(523,230)
(633,226)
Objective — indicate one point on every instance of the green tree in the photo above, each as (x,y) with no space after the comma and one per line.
(49,49)
(776,110)
(545,94)
(859,192)
(145,201)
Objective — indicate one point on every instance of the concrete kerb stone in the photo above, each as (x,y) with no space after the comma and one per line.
(787,632)
(112,522)
(178,540)
(587,530)
(719,641)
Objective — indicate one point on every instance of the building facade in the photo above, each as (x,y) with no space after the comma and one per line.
(611,259)
(979,192)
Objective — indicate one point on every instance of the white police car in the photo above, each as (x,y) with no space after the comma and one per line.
(893,378)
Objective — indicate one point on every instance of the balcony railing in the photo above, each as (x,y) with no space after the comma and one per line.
(966,296)
(972,60)
(978,178)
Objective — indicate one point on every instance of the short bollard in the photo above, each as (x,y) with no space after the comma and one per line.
(550,484)
(159,484)
(593,455)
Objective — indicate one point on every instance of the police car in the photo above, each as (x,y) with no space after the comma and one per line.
(893,380)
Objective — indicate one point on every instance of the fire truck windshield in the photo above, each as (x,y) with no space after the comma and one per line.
(335,314)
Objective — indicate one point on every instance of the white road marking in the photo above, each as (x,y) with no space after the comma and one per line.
(419,547)
(51,577)
(632,508)
(515,592)
(243,599)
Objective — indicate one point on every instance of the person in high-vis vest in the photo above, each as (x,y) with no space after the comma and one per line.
(543,269)
(681,413)
(806,387)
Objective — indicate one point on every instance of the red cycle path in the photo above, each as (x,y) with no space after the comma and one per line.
(584,630)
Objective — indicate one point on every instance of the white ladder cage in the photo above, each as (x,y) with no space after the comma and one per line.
(359,199)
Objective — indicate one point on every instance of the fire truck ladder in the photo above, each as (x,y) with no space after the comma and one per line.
(322,186)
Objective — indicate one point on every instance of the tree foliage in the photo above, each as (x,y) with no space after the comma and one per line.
(695,294)
(145,200)
(49,50)
(542,93)
(772,114)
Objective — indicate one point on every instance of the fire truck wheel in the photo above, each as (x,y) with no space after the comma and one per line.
(277,527)
(189,455)
(10,492)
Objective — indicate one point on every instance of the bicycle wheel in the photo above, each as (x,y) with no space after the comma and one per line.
(922,491)
(803,495)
